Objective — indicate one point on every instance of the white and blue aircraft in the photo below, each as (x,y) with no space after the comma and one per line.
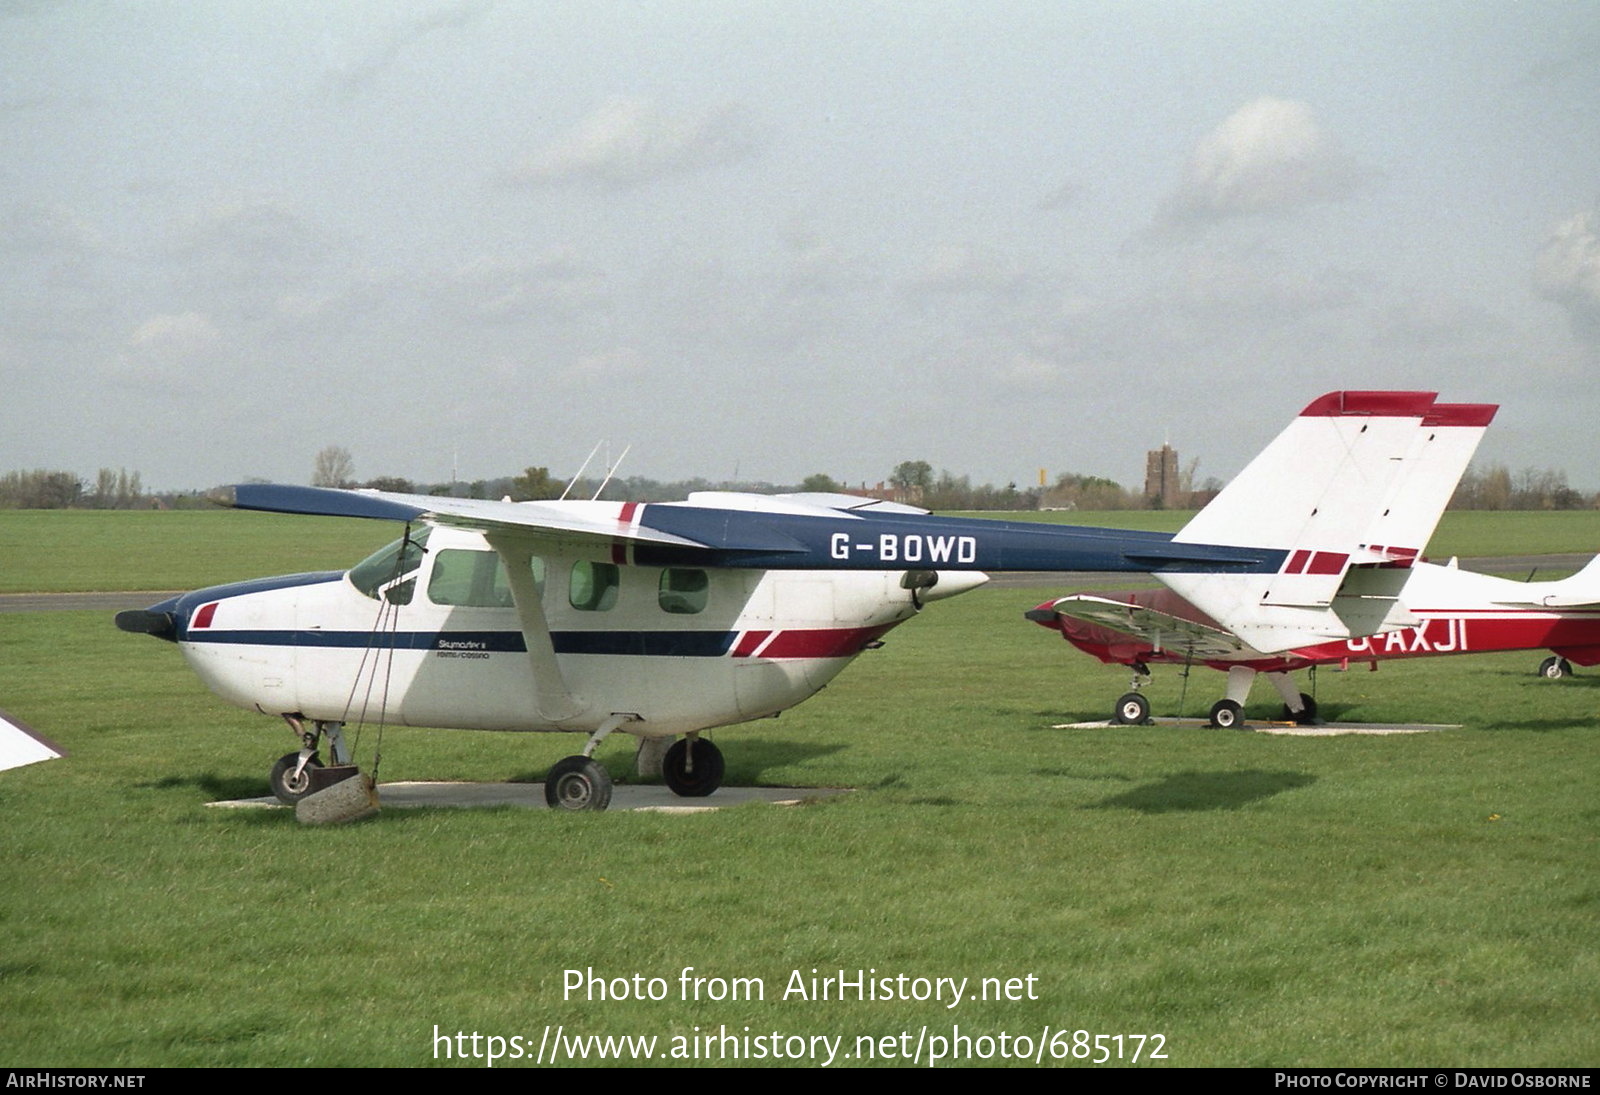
(665,620)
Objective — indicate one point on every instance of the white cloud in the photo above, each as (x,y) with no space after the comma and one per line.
(966,268)
(39,228)
(171,350)
(623,364)
(1269,156)
(1567,271)
(253,232)
(629,142)
(188,335)
(510,290)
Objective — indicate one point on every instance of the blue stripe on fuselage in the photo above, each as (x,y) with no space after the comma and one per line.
(674,644)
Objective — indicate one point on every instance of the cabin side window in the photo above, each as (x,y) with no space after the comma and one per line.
(471,579)
(390,571)
(592,587)
(683,592)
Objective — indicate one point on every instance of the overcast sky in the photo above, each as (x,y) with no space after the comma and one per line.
(783,238)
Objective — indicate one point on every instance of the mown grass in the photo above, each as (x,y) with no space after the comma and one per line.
(1416,900)
(87,550)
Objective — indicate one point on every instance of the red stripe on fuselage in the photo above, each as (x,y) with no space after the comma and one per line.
(749,642)
(822,642)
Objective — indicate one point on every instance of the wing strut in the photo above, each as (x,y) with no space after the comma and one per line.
(555,700)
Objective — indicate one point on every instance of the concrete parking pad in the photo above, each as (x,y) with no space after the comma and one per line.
(531,796)
(1328,730)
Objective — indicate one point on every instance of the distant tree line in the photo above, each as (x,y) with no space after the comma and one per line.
(44,489)
(1497,487)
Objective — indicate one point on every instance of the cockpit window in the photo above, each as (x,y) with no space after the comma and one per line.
(476,579)
(383,569)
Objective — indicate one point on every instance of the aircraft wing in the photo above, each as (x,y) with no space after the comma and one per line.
(564,521)
(1162,630)
(794,532)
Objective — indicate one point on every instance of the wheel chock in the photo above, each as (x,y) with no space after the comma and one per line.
(339,794)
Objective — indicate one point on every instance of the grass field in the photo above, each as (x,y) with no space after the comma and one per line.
(1419,900)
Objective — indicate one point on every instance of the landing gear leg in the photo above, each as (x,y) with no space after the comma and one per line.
(1132,708)
(1298,707)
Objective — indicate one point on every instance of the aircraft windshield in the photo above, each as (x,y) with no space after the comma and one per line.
(385,565)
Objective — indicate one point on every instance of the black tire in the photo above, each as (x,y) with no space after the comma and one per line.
(1226,715)
(287,789)
(706,776)
(1132,710)
(577,783)
(1307,715)
(1553,668)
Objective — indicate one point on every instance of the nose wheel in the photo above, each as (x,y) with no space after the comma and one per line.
(1555,668)
(290,779)
(1132,710)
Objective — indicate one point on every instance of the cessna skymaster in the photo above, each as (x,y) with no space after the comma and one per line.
(665,620)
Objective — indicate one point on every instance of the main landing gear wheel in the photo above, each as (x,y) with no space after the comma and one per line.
(577,783)
(1307,715)
(1132,710)
(288,788)
(1554,668)
(692,775)
(1226,715)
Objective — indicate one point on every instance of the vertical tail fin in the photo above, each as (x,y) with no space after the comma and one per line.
(1350,491)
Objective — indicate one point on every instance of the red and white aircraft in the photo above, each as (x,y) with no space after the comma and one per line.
(666,620)
(1248,626)
(1458,611)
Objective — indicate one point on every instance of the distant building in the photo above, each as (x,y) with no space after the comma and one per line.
(1161,478)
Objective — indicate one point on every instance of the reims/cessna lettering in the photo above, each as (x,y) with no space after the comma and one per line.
(666,620)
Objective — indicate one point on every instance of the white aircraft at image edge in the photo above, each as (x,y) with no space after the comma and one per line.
(664,620)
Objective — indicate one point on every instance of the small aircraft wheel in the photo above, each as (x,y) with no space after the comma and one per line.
(1132,710)
(1554,668)
(706,775)
(1225,715)
(577,783)
(285,786)
(1307,715)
